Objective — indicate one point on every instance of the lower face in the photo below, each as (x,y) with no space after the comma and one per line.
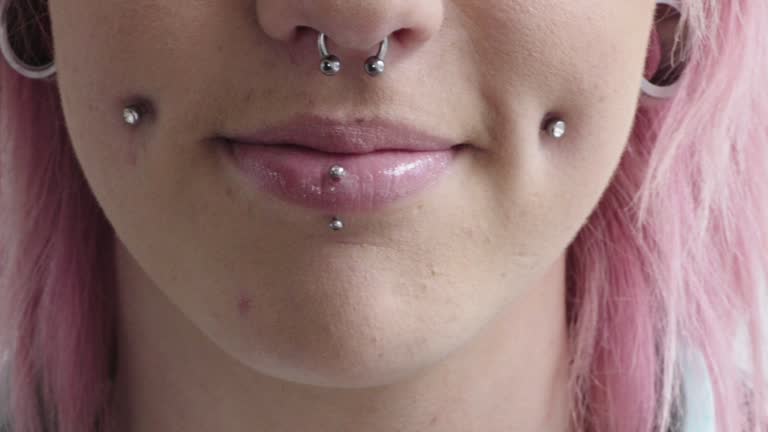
(261,274)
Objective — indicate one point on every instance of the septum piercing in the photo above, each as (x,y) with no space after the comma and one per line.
(331,65)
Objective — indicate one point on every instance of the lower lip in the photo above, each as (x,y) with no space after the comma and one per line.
(373,180)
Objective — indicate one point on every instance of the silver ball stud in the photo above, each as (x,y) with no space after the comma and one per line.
(132,115)
(374,66)
(337,172)
(336,224)
(557,128)
(330,65)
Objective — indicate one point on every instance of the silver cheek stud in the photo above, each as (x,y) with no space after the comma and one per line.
(337,173)
(556,128)
(132,115)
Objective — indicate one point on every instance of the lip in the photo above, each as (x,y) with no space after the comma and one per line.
(333,136)
(384,161)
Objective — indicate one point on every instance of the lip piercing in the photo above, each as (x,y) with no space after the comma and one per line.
(556,128)
(336,224)
(337,172)
(331,65)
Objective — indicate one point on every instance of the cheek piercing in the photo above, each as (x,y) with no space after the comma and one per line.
(556,128)
(132,115)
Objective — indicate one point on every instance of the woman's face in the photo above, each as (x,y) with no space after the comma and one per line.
(404,283)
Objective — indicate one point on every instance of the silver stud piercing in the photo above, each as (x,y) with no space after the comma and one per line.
(330,64)
(132,115)
(337,172)
(556,128)
(336,224)
(374,66)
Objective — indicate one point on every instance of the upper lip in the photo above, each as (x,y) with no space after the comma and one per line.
(350,137)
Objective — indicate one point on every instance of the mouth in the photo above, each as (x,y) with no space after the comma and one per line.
(334,166)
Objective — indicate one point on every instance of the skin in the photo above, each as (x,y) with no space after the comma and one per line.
(446,312)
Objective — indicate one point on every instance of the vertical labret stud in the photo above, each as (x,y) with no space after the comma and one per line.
(336,224)
(337,172)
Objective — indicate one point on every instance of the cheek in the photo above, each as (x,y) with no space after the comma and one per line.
(584,66)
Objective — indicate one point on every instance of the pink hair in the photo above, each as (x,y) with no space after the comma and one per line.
(675,254)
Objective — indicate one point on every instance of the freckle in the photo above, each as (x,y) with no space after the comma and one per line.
(244,305)
(433,421)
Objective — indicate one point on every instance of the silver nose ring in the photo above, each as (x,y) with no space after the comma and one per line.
(331,65)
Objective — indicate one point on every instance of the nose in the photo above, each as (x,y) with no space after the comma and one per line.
(356,25)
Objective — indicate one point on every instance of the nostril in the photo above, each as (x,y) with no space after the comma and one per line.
(303,31)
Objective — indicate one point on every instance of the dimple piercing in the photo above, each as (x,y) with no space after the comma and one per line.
(556,128)
(132,115)
(330,64)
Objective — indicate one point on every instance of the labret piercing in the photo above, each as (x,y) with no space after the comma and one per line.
(337,173)
(132,115)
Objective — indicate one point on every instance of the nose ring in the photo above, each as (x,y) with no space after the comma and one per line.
(331,65)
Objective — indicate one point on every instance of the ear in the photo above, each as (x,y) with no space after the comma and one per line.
(665,60)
